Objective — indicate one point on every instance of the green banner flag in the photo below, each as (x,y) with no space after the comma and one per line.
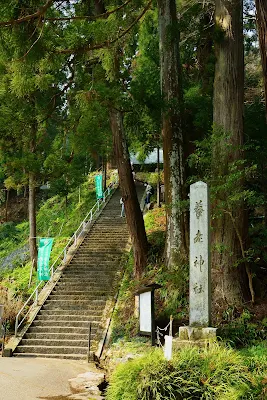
(44,250)
(98,186)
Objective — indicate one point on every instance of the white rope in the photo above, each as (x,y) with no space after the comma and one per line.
(159,334)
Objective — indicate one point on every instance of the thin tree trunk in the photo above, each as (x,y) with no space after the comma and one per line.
(6,208)
(228,119)
(176,239)
(132,207)
(261,7)
(32,220)
(104,173)
(158,183)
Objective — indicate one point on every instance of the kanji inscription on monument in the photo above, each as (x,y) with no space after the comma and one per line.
(200,295)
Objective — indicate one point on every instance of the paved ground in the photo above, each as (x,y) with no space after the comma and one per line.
(37,378)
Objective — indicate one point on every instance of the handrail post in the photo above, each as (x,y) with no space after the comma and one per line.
(108,191)
(65,255)
(16,324)
(84,225)
(36,297)
(89,342)
(104,197)
(75,239)
(98,205)
(91,215)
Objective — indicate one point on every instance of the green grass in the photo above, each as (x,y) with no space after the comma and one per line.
(214,373)
(54,219)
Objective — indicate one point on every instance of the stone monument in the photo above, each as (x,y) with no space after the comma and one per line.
(200,271)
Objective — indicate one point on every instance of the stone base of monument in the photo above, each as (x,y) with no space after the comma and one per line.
(195,336)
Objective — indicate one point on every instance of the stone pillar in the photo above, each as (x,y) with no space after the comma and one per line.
(200,292)
(198,331)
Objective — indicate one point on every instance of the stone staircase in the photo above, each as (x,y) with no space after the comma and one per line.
(83,294)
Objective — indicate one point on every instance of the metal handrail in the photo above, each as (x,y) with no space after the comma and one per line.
(63,255)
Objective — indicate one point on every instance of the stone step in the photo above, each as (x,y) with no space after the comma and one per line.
(55,329)
(70,323)
(87,273)
(91,274)
(89,270)
(82,287)
(86,288)
(70,318)
(74,280)
(96,243)
(90,308)
(53,349)
(57,356)
(106,236)
(79,297)
(80,293)
(66,312)
(102,254)
(85,267)
(50,343)
(59,336)
(96,258)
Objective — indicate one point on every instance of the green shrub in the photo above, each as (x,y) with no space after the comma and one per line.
(215,373)
(242,331)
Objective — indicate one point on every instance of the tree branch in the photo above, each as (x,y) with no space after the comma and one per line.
(88,17)
(107,43)
(38,14)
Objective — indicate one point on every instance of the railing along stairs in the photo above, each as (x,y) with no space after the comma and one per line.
(61,259)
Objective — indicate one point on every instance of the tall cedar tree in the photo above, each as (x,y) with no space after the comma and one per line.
(228,119)
(261,7)
(172,133)
(133,212)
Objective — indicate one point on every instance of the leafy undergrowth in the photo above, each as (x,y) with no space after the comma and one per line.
(171,299)
(244,330)
(214,373)
(150,177)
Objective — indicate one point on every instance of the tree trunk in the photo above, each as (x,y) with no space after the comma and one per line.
(104,167)
(32,220)
(176,239)
(158,182)
(6,208)
(132,207)
(228,119)
(261,7)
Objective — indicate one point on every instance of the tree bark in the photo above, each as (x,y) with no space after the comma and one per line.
(158,182)
(32,220)
(132,207)
(104,168)
(176,239)
(6,207)
(261,15)
(228,119)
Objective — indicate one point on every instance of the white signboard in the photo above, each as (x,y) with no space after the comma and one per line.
(145,312)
